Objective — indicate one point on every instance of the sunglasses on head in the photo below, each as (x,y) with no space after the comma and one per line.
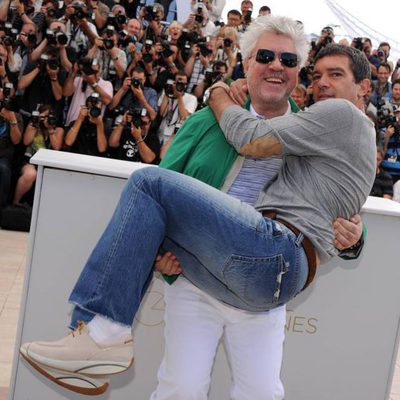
(287,59)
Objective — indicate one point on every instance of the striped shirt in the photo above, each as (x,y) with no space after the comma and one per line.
(254,175)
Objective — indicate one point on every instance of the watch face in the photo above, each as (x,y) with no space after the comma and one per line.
(206,96)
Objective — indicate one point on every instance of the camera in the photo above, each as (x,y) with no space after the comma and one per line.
(124,39)
(51,12)
(386,116)
(227,42)
(380,53)
(150,13)
(198,17)
(180,87)
(121,19)
(79,12)
(148,45)
(358,43)
(92,104)
(108,43)
(137,114)
(166,52)
(212,76)
(46,60)
(136,83)
(177,127)
(86,64)
(247,17)
(169,88)
(56,37)
(147,58)
(35,118)
(51,119)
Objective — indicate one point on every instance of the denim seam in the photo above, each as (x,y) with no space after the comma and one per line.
(113,248)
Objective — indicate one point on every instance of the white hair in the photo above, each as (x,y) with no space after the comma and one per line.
(280,26)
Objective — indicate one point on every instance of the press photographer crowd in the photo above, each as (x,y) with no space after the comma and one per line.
(118,78)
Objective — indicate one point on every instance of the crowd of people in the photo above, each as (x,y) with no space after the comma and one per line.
(118,79)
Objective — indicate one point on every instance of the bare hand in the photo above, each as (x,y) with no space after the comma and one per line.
(347,232)
(238,91)
(83,113)
(167,264)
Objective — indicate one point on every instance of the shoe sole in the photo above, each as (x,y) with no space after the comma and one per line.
(89,368)
(77,383)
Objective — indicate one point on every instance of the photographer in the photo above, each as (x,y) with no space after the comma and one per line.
(214,8)
(373,60)
(383,183)
(133,139)
(395,99)
(201,55)
(56,41)
(86,134)
(81,33)
(42,83)
(166,67)
(6,76)
(383,88)
(40,133)
(391,163)
(246,8)
(150,18)
(11,126)
(133,93)
(99,12)
(112,60)
(227,48)
(198,20)
(12,62)
(174,106)
(81,86)
(218,72)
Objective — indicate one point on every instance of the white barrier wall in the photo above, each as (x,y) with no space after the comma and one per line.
(342,333)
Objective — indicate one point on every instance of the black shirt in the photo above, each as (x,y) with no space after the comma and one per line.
(128,149)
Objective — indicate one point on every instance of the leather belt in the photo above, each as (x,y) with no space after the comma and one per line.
(306,243)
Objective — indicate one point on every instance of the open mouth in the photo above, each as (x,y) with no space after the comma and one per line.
(275,81)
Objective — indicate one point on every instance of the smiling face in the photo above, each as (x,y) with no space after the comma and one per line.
(333,78)
(270,84)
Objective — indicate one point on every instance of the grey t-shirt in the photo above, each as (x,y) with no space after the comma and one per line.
(328,167)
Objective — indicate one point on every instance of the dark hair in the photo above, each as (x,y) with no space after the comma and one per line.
(385,65)
(264,8)
(384,44)
(235,12)
(247,2)
(45,107)
(139,70)
(357,59)
(395,82)
(181,72)
(220,64)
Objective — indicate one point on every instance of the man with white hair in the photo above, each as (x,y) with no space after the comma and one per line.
(110,265)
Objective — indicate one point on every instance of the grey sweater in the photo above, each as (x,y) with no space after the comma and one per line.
(328,167)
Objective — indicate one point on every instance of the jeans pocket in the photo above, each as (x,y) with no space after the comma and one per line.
(257,281)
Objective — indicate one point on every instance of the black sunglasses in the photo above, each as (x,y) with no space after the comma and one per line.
(265,56)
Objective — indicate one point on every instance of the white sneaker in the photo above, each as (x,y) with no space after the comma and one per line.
(79,353)
(78,383)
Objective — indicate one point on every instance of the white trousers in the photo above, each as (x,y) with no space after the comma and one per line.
(194,324)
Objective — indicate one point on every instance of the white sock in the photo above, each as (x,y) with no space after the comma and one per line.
(103,330)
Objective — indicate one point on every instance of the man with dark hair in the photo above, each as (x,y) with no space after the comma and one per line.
(264,10)
(133,93)
(383,88)
(395,100)
(175,105)
(234,18)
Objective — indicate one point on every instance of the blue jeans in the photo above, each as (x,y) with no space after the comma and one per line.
(225,247)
